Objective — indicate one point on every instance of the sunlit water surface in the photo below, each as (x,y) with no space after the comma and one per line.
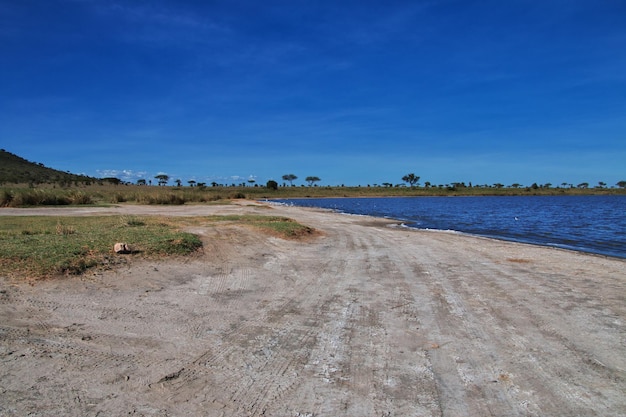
(595,224)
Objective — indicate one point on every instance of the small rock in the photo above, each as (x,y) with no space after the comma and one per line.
(122,248)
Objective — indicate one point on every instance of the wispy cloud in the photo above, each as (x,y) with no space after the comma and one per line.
(123,174)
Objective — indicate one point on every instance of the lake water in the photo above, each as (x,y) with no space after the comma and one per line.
(595,224)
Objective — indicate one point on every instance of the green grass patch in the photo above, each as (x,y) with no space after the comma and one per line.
(38,247)
(275,225)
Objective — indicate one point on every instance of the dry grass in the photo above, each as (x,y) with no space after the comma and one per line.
(519,260)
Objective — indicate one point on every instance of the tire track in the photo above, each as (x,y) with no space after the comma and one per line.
(266,363)
(562,342)
(487,323)
(403,351)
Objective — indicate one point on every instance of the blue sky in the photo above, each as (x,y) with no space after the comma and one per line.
(353,92)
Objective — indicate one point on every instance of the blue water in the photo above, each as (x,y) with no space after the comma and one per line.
(595,224)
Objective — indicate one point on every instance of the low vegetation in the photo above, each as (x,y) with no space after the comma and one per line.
(106,194)
(278,226)
(44,246)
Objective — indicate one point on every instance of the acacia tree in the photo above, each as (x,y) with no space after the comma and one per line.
(162,178)
(621,184)
(312,180)
(290,177)
(411,178)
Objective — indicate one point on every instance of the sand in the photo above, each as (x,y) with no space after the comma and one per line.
(366,319)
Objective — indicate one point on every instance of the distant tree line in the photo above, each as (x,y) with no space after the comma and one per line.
(411,179)
(14,169)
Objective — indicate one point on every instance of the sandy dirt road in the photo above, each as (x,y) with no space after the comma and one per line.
(365,320)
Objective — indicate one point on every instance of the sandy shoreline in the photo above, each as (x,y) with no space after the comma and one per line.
(366,320)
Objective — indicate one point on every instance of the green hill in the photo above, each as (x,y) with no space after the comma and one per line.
(17,170)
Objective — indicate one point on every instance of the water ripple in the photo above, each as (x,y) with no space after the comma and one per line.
(595,224)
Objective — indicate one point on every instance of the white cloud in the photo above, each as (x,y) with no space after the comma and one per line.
(123,174)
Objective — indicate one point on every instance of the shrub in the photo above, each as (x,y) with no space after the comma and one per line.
(38,197)
(6,198)
(161,198)
(80,198)
(118,198)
